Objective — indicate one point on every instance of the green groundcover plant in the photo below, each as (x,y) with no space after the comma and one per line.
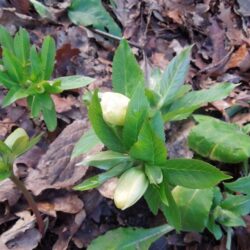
(129,122)
(27,73)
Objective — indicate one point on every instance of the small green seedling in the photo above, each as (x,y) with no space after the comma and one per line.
(130,122)
(16,144)
(26,73)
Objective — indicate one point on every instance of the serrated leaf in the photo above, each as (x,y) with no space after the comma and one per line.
(88,141)
(92,12)
(102,130)
(184,106)
(194,206)
(241,185)
(22,46)
(74,82)
(174,76)
(220,141)
(149,147)
(126,72)
(48,52)
(191,173)
(97,180)
(136,114)
(6,40)
(105,160)
(13,95)
(129,238)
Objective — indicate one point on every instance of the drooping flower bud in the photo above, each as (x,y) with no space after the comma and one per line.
(131,187)
(114,107)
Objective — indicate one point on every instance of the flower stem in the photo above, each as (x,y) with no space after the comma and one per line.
(30,201)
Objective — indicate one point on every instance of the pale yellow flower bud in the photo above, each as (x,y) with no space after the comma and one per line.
(131,187)
(114,107)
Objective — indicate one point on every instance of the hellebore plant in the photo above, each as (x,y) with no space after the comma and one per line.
(16,144)
(26,73)
(129,122)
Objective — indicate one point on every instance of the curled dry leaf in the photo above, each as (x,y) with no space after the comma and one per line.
(8,192)
(23,234)
(69,203)
(64,104)
(56,169)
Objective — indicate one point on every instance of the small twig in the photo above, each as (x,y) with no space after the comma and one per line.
(103,33)
(30,201)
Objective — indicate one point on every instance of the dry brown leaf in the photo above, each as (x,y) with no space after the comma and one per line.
(64,104)
(9,192)
(107,189)
(22,235)
(56,169)
(69,203)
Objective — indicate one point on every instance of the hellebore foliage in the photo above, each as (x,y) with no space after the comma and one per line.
(26,73)
(137,144)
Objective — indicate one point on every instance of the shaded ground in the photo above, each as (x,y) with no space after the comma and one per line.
(157,30)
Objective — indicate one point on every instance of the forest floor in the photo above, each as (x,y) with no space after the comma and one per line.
(157,30)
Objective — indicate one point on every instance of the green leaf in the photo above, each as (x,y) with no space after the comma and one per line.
(92,12)
(149,147)
(238,204)
(6,80)
(35,105)
(22,46)
(36,65)
(228,218)
(214,228)
(170,211)
(220,141)
(242,185)
(6,40)
(13,95)
(87,142)
(154,174)
(136,114)
(129,238)
(74,82)
(192,173)
(42,10)
(184,106)
(194,206)
(48,52)
(126,73)
(153,199)
(246,128)
(50,119)
(174,76)
(12,65)
(102,130)
(4,171)
(97,180)
(105,160)
(4,149)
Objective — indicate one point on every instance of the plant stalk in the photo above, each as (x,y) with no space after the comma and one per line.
(30,201)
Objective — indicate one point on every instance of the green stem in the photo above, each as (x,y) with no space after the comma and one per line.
(30,201)
(245,167)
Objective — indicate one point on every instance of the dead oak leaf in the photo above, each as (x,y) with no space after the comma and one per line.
(56,169)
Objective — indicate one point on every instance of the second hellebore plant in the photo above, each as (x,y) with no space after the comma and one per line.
(129,122)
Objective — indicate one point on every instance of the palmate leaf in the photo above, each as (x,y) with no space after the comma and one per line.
(220,141)
(192,173)
(105,133)
(126,72)
(129,238)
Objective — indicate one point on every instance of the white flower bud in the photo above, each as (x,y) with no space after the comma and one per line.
(131,187)
(114,107)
